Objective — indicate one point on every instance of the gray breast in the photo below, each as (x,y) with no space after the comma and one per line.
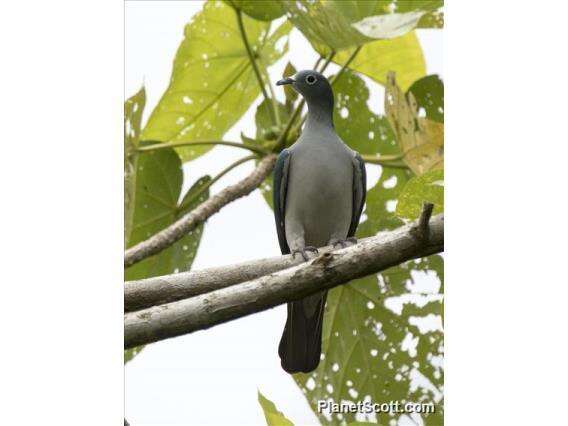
(320,193)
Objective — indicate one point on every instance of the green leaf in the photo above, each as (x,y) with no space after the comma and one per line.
(129,354)
(271,413)
(133,109)
(263,10)
(428,187)
(356,125)
(362,337)
(421,140)
(213,83)
(433,19)
(401,54)
(158,189)
(429,95)
(340,24)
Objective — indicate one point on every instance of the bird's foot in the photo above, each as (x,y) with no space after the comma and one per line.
(343,243)
(304,252)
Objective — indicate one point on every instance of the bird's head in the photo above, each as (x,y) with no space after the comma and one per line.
(313,86)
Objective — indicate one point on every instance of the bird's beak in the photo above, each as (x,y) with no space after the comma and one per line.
(285,81)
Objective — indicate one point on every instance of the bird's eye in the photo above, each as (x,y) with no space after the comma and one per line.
(311,79)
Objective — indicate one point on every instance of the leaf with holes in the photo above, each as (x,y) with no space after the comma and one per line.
(355,123)
(429,95)
(213,83)
(382,337)
(401,54)
(264,10)
(420,139)
(133,108)
(428,187)
(271,413)
(338,24)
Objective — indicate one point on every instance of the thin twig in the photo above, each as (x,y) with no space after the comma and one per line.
(165,145)
(200,214)
(421,228)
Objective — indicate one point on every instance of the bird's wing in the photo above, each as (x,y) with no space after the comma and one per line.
(359,192)
(280,188)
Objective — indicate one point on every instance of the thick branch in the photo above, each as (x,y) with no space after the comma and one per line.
(141,294)
(200,214)
(326,271)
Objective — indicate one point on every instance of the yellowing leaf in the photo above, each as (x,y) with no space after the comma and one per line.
(133,108)
(213,83)
(403,55)
(271,413)
(421,140)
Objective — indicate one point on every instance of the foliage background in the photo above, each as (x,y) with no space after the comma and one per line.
(187,379)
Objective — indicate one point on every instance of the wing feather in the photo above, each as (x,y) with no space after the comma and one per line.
(280,189)
(359,192)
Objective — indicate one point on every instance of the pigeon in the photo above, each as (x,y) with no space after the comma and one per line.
(319,194)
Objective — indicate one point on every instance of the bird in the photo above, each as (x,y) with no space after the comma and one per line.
(319,190)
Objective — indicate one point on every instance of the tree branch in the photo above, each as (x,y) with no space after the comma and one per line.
(326,271)
(200,214)
(148,292)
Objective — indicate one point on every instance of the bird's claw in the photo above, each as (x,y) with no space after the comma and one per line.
(303,252)
(344,243)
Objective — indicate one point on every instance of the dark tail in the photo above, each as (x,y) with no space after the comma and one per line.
(300,345)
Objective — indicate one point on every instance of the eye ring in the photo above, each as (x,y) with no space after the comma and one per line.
(311,79)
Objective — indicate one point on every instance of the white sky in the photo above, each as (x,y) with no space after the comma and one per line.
(211,377)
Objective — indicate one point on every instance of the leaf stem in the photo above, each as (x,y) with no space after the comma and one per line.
(165,145)
(215,179)
(253,62)
(371,159)
(346,64)
(273,99)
